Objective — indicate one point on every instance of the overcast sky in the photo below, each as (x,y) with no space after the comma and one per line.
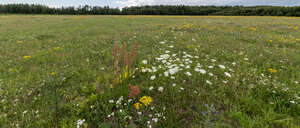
(124,3)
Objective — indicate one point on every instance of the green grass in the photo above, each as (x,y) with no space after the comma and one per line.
(263,90)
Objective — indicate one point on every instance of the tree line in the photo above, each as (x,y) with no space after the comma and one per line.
(153,10)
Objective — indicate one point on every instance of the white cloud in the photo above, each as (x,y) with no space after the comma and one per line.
(173,2)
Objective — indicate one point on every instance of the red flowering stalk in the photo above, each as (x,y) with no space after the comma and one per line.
(116,59)
(134,91)
(134,52)
(127,60)
(115,52)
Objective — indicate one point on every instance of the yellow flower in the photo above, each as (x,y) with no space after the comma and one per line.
(125,75)
(52,73)
(19,41)
(56,48)
(252,29)
(27,57)
(296,28)
(272,70)
(270,41)
(146,100)
(137,106)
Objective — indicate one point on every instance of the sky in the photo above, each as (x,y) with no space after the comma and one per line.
(125,3)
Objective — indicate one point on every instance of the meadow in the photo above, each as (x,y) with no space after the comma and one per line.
(149,71)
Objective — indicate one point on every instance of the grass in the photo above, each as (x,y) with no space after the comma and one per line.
(57,71)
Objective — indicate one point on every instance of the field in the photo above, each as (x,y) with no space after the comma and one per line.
(149,71)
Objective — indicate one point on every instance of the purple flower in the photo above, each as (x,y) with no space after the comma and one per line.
(203,113)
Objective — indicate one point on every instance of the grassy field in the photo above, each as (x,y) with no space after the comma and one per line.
(209,71)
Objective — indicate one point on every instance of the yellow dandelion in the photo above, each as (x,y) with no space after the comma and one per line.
(27,57)
(52,73)
(272,70)
(137,106)
(270,41)
(19,41)
(296,28)
(146,100)
(57,48)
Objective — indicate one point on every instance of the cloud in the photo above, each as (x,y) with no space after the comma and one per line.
(124,3)
(172,2)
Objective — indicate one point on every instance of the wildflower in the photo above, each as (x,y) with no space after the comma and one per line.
(134,91)
(227,74)
(173,84)
(233,63)
(208,82)
(27,57)
(173,70)
(52,73)
(80,122)
(246,59)
(146,100)
(144,70)
(202,71)
(161,89)
(166,74)
(139,113)
(137,105)
(272,70)
(162,42)
(188,73)
(225,82)
(151,88)
(144,61)
(222,66)
(152,77)
(56,48)
(270,41)
(155,119)
(293,102)
(111,101)
(19,41)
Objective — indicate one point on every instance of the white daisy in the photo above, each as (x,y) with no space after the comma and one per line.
(222,66)
(227,74)
(161,89)
(152,77)
(144,61)
(188,73)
